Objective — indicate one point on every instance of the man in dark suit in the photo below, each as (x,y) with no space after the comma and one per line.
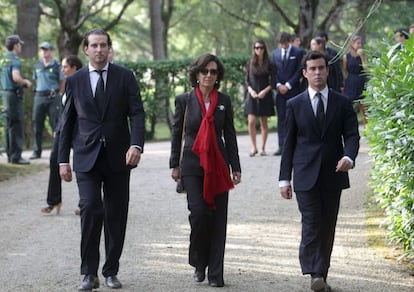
(287,61)
(104,121)
(321,145)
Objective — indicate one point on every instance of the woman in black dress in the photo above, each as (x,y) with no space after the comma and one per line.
(353,67)
(259,103)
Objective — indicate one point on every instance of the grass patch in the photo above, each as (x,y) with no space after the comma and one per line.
(8,171)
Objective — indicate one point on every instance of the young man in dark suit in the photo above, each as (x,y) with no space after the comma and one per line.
(322,142)
(104,121)
(287,61)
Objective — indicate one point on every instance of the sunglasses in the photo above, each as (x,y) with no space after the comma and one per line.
(259,48)
(211,71)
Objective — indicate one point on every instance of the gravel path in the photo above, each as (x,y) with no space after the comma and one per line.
(41,252)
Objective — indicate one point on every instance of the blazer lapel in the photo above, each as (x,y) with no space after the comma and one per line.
(310,114)
(330,110)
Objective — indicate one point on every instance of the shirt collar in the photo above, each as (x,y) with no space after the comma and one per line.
(324,92)
(91,68)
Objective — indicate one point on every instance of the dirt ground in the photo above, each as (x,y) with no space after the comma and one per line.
(41,252)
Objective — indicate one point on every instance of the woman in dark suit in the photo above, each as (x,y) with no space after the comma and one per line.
(210,147)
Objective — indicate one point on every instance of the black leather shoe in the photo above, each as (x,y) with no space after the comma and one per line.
(317,283)
(89,282)
(215,284)
(34,156)
(199,275)
(278,152)
(113,282)
(20,161)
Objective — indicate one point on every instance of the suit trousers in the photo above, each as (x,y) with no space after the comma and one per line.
(54,190)
(319,208)
(208,229)
(281,117)
(110,210)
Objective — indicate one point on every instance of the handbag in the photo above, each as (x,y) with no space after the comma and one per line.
(180,186)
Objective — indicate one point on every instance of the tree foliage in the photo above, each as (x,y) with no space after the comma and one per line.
(390,132)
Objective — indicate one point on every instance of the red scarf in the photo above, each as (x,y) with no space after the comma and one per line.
(216,173)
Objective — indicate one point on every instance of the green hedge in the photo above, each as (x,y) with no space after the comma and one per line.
(390,133)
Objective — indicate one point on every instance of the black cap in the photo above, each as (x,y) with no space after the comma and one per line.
(13,39)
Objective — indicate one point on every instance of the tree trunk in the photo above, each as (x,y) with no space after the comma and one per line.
(28,18)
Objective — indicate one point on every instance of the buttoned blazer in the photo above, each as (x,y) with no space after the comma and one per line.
(225,131)
(120,124)
(312,154)
(290,72)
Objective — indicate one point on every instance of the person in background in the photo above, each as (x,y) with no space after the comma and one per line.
(12,83)
(322,143)
(259,103)
(70,64)
(210,148)
(287,62)
(335,80)
(411,29)
(400,36)
(104,122)
(49,87)
(354,75)
(295,40)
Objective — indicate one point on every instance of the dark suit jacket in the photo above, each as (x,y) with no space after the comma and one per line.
(290,72)
(122,122)
(335,77)
(313,154)
(226,134)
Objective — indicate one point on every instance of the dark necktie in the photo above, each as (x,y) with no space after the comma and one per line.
(320,111)
(100,91)
(284,59)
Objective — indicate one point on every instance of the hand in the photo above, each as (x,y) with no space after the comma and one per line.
(175,174)
(236,177)
(65,172)
(27,83)
(343,165)
(253,93)
(283,89)
(133,156)
(286,192)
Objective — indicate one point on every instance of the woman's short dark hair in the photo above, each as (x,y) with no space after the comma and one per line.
(73,61)
(201,63)
(314,55)
(96,31)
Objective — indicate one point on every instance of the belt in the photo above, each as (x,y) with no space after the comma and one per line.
(48,93)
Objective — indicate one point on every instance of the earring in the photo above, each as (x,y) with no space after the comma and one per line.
(198,81)
(217,82)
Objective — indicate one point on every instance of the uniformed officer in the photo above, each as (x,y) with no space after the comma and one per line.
(49,86)
(12,83)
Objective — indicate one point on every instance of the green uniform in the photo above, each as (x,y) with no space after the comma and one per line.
(46,100)
(13,106)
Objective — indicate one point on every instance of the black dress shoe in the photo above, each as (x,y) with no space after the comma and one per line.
(20,161)
(317,283)
(199,275)
(34,156)
(215,284)
(113,282)
(89,282)
(278,152)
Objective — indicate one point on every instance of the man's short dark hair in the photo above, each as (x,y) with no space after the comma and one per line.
(96,32)
(284,38)
(314,55)
(403,32)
